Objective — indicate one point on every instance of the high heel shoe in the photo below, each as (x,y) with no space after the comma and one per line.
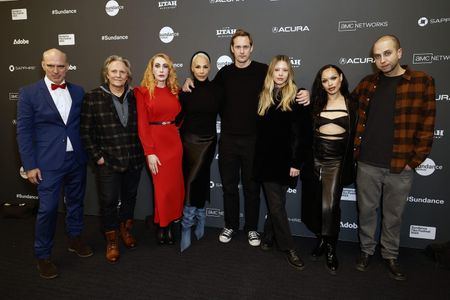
(319,250)
(161,235)
(170,239)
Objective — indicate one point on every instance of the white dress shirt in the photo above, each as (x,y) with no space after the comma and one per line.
(63,102)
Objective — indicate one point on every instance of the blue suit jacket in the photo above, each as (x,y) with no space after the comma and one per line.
(41,132)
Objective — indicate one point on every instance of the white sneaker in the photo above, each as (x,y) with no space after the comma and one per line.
(254,239)
(226,235)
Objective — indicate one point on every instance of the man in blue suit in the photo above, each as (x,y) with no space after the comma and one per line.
(48,123)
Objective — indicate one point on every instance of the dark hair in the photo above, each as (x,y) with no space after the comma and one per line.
(319,96)
(241,32)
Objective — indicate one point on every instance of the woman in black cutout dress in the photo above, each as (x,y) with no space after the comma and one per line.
(334,120)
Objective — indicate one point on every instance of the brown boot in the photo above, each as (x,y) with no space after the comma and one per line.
(125,233)
(112,246)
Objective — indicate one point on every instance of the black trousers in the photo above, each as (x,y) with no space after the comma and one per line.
(236,155)
(277,226)
(116,188)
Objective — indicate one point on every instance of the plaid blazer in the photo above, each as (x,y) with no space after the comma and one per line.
(414,117)
(103,134)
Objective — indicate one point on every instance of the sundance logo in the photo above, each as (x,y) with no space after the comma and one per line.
(21,42)
(22,173)
(114,37)
(112,8)
(290,29)
(72,68)
(356,60)
(291,191)
(166,34)
(428,58)
(422,232)
(66,39)
(427,167)
(178,65)
(64,11)
(348,194)
(223,61)
(355,25)
(348,225)
(425,200)
(19,14)
(167,4)
(225,32)
(424,21)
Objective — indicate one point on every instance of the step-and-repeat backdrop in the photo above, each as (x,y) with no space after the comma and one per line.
(311,33)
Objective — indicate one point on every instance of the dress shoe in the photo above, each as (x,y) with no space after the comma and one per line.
(47,269)
(125,233)
(331,258)
(394,269)
(170,238)
(318,250)
(363,262)
(161,235)
(112,246)
(79,247)
(266,245)
(294,260)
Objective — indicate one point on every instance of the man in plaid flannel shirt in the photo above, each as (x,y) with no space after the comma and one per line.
(393,136)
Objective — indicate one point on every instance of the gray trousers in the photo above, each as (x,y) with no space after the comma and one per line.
(377,186)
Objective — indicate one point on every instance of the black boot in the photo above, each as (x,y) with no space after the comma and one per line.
(160,235)
(331,258)
(319,249)
(170,239)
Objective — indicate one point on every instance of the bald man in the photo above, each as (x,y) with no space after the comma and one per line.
(393,136)
(48,124)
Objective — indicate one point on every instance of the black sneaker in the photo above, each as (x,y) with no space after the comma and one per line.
(47,269)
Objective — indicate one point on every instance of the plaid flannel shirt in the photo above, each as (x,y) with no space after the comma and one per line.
(414,117)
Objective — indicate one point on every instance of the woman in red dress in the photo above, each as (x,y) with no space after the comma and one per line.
(157,107)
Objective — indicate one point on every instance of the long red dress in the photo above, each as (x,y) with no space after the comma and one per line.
(163,141)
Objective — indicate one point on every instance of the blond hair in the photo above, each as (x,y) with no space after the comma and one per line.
(149,81)
(288,91)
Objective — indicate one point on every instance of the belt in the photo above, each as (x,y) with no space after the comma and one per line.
(161,123)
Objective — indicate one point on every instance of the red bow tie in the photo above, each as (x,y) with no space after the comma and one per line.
(56,86)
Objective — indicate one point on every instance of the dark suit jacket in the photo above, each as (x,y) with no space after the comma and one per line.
(41,132)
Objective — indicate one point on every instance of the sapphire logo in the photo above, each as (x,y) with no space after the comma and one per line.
(223,61)
(295,62)
(22,173)
(112,8)
(13,68)
(166,34)
(423,21)
(438,133)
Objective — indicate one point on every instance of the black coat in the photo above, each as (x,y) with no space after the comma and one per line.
(283,140)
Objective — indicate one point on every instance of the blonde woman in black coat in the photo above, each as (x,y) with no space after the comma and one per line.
(283,136)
